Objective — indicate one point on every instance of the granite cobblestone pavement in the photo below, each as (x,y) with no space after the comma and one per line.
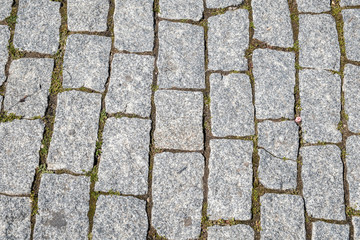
(180,119)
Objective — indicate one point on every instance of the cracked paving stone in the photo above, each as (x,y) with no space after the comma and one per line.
(278,166)
(179,120)
(353,170)
(181,55)
(274,75)
(352,33)
(349,2)
(130,85)
(352,97)
(120,217)
(230,179)
(232,111)
(323,230)
(28,86)
(15,217)
(177,193)
(75,131)
(239,232)
(20,142)
(282,216)
(125,156)
(134,25)
(272,22)
(320,104)
(4,38)
(228,38)
(86,61)
(84,15)
(183,9)
(356,224)
(37,27)
(318,42)
(5,8)
(63,203)
(222,3)
(315,6)
(322,175)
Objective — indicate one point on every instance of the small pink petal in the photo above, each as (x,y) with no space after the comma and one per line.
(298,119)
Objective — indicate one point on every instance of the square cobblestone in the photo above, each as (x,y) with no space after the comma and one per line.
(323,230)
(4,39)
(183,9)
(5,8)
(353,170)
(315,6)
(352,32)
(239,232)
(352,97)
(222,3)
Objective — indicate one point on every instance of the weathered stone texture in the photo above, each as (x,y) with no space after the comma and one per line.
(5,8)
(353,170)
(352,96)
(239,232)
(351,19)
(4,39)
(175,9)
(323,230)
(315,6)
(222,3)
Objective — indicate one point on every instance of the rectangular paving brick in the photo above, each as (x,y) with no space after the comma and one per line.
(324,230)
(222,3)
(230,179)
(37,26)
(351,19)
(63,205)
(322,176)
(134,25)
(239,232)
(5,8)
(315,6)
(320,103)
(274,74)
(75,131)
(228,38)
(183,9)
(125,156)
(232,111)
(352,97)
(353,170)
(4,41)
(181,59)
(179,120)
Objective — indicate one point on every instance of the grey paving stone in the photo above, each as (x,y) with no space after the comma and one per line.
(323,230)
(322,175)
(272,22)
(353,170)
(28,86)
(20,143)
(174,9)
(356,224)
(230,179)
(179,120)
(349,2)
(75,131)
(15,217)
(228,38)
(282,217)
(240,232)
(181,55)
(274,74)
(134,25)
(320,103)
(83,15)
(5,8)
(125,156)
(223,3)
(314,5)
(352,97)
(63,207)
(352,32)
(318,41)
(120,217)
(130,85)
(177,194)
(86,61)
(232,111)
(37,26)
(4,38)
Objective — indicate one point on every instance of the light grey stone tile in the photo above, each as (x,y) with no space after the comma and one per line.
(282,217)
(349,2)
(20,143)
(314,5)
(223,3)
(134,25)
(272,22)
(120,217)
(352,97)
(353,170)
(320,102)
(28,86)
(181,55)
(5,8)
(274,74)
(228,38)
(351,19)
(230,179)
(356,224)
(322,175)
(175,9)
(130,85)
(75,131)
(239,232)
(86,61)
(177,194)
(125,156)
(323,230)
(63,203)
(15,217)
(37,27)
(4,39)
(84,15)
(179,120)
(318,41)
(232,110)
